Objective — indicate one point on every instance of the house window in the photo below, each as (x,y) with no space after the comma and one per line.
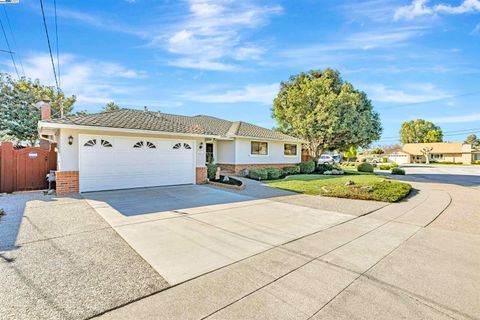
(90,143)
(106,144)
(187,146)
(139,144)
(259,148)
(290,149)
(177,146)
(150,145)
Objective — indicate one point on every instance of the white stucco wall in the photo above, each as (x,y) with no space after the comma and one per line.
(275,153)
(225,151)
(68,154)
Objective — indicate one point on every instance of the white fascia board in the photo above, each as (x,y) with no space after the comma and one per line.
(269,139)
(110,129)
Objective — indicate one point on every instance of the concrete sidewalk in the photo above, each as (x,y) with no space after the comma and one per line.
(67,262)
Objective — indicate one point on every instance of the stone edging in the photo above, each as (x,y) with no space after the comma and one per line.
(228,186)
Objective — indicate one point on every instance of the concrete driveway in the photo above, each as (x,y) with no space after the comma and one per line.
(187,231)
(288,258)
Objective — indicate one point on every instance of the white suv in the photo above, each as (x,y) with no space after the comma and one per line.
(325,158)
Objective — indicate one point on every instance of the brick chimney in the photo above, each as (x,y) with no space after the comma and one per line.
(46,110)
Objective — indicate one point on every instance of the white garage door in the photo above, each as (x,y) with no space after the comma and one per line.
(109,162)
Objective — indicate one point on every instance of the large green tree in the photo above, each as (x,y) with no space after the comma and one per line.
(325,111)
(19,110)
(420,131)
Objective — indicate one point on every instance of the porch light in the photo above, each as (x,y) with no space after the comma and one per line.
(200,146)
(70,140)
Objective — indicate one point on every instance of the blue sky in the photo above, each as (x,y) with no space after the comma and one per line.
(414,59)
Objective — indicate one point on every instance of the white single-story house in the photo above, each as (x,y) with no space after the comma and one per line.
(134,148)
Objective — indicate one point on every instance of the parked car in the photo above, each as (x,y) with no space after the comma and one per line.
(376,160)
(325,158)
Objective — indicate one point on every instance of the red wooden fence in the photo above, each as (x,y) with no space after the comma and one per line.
(25,169)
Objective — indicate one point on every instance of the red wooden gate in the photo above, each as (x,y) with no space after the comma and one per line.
(25,169)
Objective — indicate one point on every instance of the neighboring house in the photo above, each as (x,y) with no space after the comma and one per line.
(133,148)
(457,152)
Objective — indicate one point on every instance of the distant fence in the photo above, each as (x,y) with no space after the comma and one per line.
(25,169)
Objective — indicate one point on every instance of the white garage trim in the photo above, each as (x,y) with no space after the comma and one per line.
(117,164)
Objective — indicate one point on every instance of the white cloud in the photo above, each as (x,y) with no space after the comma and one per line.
(416,9)
(102,22)
(457,119)
(213,32)
(420,8)
(413,93)
(92,81)
(465,7)
(263,94)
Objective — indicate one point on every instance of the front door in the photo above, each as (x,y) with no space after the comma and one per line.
(209,153)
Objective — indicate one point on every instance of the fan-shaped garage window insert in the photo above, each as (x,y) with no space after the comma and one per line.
(150,145)
(90,143)
(177,146)
(139,144)
(187,146)
(106,144)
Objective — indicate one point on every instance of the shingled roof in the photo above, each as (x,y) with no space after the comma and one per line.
(164,122)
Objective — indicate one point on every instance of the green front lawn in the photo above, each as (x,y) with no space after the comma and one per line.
(365,187)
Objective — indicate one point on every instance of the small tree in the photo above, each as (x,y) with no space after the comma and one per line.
(420,131)
(111,106)
(377,151)
(427,151)
(325,111)
(473,140)
(351,153)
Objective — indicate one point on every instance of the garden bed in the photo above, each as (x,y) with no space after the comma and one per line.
(229,183)
(352,185)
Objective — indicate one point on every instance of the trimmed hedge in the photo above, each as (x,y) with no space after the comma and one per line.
(274,173)
(321,168)
(258,174)
(398,171)
(307,167)
(291,170)
(365,167)
(393,165)
(476,162)
(211,171)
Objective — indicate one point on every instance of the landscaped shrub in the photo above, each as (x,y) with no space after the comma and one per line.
(365,167)
(476,162)
(364,160)
(211,171)
(321,168)
(258,174)
(307,167)
(398,171)
(274,173)
(384,167)
(291,170)
(393,165)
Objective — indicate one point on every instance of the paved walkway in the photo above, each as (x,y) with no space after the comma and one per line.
(64,261)
(418,259)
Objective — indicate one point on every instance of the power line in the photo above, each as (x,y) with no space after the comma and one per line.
(56,41)
(14,40)
(446,132)
(49,46)
(9,49)
(445,135)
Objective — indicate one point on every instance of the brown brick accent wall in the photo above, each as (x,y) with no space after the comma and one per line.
(67,182)
(237,168)
(201,175)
